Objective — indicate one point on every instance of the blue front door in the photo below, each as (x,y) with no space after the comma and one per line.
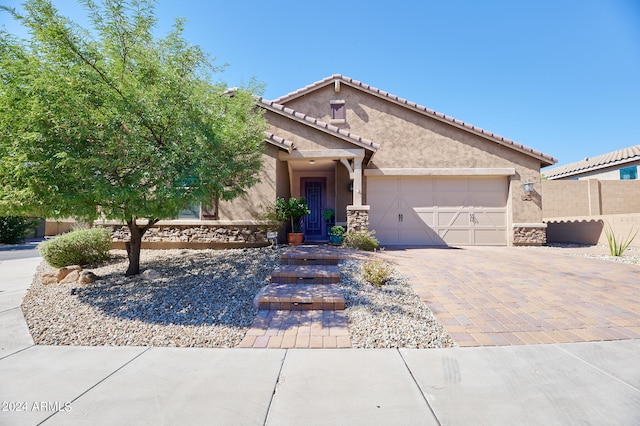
(314,192)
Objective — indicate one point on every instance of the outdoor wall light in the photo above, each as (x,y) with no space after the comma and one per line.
(312,161)
(527,187)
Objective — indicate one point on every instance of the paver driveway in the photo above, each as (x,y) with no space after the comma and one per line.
(515,295)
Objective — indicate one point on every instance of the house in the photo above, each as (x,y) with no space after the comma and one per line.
(411,174)
(615,165)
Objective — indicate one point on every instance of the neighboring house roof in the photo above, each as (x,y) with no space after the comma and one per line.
(546,160)
(610,159)
(320,125)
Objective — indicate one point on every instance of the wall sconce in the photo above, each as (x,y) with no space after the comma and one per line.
(312,162)
(350,187)
(527,187)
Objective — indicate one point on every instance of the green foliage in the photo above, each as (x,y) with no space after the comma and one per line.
(114,122)
(291,210)
(268,216)
(81,247)
(14,228)
(328,214)
(377,272)
(618,246)
(361,240)
(337,230)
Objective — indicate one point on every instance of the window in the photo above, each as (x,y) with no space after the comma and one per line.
(338,115)
(629,173)
(191,212)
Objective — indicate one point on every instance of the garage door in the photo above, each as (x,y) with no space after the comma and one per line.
(438,210)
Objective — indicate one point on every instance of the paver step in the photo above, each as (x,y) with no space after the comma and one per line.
(305,274)
(300,297)
(312,256)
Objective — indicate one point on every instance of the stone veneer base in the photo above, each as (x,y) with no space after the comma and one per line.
(529,234)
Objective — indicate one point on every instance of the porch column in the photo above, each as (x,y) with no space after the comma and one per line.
(357,181)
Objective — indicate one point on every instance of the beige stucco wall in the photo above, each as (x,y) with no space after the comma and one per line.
(274,181)
(303,137)
(590,229)
(412,140)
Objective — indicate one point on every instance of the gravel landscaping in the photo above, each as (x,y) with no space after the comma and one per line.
(203,298)
(390,316)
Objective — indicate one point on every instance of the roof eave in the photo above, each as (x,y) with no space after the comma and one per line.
(320,125)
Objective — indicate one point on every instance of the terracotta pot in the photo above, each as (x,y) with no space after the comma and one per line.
(295,238)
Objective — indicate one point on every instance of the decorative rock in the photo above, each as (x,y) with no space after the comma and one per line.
(87,277)
(63,272)
(71,277)
(151,274)
(49,278)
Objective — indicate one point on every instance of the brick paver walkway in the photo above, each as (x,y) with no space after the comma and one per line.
(511,296)
(298,329)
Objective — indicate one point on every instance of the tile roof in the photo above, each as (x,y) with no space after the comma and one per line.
(621,156)
(545,159)
(278,141)
(314,122)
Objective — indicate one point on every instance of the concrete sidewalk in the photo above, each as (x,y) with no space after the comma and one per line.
(579,383)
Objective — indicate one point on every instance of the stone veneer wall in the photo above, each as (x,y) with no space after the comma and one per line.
(357,218)
(198,234)
(529,234)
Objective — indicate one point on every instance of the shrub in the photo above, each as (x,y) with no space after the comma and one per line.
(337,230)
(616,246)
(361,240)
(14,228)
(80,247)
(377,272)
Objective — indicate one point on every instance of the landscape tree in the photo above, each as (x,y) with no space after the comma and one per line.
(113,122)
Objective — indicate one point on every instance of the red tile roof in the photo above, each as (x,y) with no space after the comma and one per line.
(621,156)
(321,125)
(546,160)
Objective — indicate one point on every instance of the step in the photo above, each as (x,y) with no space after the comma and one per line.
(300,297)
(312,255)
(305,274)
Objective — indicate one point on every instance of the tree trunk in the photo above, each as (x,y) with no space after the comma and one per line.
(135,244)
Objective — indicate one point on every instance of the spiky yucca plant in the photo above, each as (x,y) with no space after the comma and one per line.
(617,246)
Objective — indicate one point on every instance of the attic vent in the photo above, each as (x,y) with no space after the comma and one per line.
(338,114)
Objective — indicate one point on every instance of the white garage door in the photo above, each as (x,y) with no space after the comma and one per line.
(438,210)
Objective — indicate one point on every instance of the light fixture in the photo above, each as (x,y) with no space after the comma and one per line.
(527,187)
(312,161)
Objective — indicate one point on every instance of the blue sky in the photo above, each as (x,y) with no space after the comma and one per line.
(560,76)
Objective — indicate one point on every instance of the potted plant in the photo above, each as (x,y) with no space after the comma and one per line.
(329,215)
(337,235)
(292,211)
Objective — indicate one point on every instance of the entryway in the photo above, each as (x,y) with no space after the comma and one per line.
(315,190)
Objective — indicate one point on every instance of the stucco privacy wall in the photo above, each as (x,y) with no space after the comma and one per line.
(569,198)
(589,229)
(411,140)
(576,210)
